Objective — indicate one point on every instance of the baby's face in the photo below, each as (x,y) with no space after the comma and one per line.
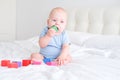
(58,18)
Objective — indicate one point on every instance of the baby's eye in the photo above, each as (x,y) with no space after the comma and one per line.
(54,20)
(62,21)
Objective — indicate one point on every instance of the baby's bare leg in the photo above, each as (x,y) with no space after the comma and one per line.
(36,57)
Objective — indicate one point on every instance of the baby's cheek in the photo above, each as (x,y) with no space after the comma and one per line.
(50,24)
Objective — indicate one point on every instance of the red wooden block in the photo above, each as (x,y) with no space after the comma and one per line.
(13,65)
(26,62)
(5,62)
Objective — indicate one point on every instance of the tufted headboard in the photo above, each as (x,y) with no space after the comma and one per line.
(94,20)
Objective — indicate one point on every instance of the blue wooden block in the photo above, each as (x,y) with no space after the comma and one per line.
(46,60)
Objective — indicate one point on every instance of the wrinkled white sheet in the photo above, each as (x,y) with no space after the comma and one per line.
(87,64)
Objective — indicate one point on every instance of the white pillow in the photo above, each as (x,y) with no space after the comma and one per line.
(103,42)
(107,43)
(79,37)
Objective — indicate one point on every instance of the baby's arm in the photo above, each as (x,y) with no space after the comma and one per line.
(65,50)
(43,41)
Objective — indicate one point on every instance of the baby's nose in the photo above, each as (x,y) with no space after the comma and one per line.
(57,23)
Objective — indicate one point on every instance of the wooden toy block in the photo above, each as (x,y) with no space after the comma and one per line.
(13,65)
(18,62)
(36,62)
(26,62)
(5,62)
(46,60)
(51,63)
(55,28)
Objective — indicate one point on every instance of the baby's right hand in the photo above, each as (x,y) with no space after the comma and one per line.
(51,32)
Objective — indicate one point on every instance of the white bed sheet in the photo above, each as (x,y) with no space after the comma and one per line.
(87,64)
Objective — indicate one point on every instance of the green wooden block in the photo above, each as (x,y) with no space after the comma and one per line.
(55,28)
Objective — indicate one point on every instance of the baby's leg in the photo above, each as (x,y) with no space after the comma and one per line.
(36,57)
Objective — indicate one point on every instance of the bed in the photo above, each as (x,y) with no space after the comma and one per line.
(95,49)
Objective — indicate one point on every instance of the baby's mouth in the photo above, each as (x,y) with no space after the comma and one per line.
(55,28)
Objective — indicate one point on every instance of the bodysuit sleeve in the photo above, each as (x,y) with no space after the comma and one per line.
(43,32)
(66,39)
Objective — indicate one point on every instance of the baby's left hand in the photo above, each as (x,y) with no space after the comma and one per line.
(61,60)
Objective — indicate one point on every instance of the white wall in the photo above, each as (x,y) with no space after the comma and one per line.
(32,14)
(7,20)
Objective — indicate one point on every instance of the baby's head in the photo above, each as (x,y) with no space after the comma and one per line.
(57,17)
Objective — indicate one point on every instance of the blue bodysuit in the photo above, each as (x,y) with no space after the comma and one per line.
(54,47)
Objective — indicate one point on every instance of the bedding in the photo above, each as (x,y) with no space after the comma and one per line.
(103,42)
(87,63)
(109,43)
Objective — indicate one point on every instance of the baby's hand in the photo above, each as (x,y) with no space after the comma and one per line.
(51,32)
(61,60)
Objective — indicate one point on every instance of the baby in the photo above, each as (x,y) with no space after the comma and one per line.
(54,44)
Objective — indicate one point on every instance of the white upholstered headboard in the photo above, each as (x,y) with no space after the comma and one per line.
(95,20)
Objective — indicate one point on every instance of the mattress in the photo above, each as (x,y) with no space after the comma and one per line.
(87,63)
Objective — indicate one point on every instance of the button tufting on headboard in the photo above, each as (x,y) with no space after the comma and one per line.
(95,20)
